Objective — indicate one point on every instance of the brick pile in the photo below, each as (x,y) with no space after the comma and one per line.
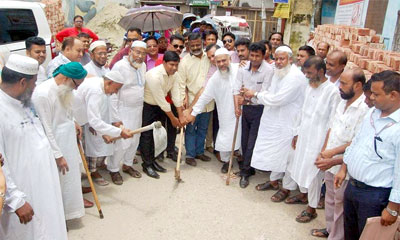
(363,47)
(54,15)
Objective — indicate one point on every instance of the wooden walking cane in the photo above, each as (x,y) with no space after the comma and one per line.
(228,176)
(90,180)
(178,161)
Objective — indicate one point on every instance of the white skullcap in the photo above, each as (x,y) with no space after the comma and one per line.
(115,76)
(138,43)
(221,51)
(22,64)
(96,44)
(284,49)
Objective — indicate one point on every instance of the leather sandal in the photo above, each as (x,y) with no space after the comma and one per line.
(132,172)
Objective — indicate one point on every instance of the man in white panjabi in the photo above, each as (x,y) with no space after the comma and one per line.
(321,99)
(220,88)
(283,101)
(33,203)
(96,150)
(126,110)
(53,102)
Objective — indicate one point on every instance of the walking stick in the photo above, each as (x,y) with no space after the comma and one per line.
(178,161)
(228,176)
(90,180)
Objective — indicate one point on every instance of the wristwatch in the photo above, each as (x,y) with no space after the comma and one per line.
(392,212)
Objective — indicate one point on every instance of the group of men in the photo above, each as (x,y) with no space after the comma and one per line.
(308,123)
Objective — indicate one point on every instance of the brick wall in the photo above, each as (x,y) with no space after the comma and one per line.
(54,15)
(363,47)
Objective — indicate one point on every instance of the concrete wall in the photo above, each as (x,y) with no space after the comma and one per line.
(390,23)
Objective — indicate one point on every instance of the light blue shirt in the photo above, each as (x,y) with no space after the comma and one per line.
(364,165)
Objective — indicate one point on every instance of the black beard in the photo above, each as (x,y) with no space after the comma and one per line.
(347,96)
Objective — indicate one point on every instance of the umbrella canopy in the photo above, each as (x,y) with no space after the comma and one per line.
(152,18)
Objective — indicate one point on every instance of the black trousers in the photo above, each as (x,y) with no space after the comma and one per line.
(251,116)
(171,131)
(151,113)
(362,201)
(215,125)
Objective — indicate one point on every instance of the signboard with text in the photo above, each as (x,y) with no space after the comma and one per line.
(350,12)
(281,1)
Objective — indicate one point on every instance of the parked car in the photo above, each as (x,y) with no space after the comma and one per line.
(238,26)
(20,20)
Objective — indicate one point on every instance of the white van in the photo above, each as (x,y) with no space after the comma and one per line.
(20,20)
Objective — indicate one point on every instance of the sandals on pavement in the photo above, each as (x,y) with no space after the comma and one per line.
(266,186)
(306,217)
(322,233)
(100,181)
(280,195)
(116,178)
(134,173)
(296,200)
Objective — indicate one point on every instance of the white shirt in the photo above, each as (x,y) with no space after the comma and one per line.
(41,76)
(31,175)
(55,63)
(318,108)
(92,69)
(345,124)
(282,106)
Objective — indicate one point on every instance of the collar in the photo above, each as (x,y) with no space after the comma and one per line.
(64,58)
(193,56)
(162,70)
(357,102)
(260,68)
(13,101)
(395,116)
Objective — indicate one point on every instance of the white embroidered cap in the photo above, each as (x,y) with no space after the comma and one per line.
(96,44)
(22,64)
(115,76)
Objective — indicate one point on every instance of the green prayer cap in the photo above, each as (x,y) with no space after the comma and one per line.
(73,70)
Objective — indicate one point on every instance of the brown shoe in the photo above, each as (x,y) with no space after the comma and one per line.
(116,178)
(203,157)
(131,171)
(191,162)
(86,190)
(87,203)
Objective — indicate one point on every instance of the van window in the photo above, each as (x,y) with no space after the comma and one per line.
(17,25)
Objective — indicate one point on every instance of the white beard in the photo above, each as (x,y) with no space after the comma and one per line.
(65,96)
(134,63)
(223,72)
(281,73)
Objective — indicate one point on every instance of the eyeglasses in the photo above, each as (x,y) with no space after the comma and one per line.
(73,80)
(176,46)
(131,39)
(101,54)
(228,40)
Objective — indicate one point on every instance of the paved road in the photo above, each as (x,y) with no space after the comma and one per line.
(202,207)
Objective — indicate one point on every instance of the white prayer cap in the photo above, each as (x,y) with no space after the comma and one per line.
(22,64)
(285,49)
(115,76)
(138,43)
(221,51)
(96,44)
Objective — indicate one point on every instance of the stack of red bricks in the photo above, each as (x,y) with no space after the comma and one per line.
(363,47)
(54,15)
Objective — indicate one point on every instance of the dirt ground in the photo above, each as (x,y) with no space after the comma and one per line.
(201,207)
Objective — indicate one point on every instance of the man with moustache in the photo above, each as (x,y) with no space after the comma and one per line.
(220,88)
(256,75)
(126,111)
(228,39)
(33,203)
(345,124)
(71,51)
(335,63)
(283,101)
(53,103)
(303,54)
(276,40)
(321,99)
(193,71)
(322,50)
(96,150)
(36,49)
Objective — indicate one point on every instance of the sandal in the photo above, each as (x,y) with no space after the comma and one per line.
(116,178)
(132,172)
(280,195)
(306,217)
(322,233)
(100,181)
(296,200)
(266,186)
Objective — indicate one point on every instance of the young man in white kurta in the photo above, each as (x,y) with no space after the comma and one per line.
(283,101)
(345,124)
(321,99)
(126,110)
(96,150)
(33,203)
(220,88)
(59,125)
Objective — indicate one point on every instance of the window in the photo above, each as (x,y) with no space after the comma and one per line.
(17,25)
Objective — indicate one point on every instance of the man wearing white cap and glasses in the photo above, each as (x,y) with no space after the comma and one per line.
(53,103)
(34,208)
(220,88)
(283,101)
(96,149)
(126,110)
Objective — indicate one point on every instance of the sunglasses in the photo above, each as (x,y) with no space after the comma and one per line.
(229,41)
(131,39)
(176,46)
